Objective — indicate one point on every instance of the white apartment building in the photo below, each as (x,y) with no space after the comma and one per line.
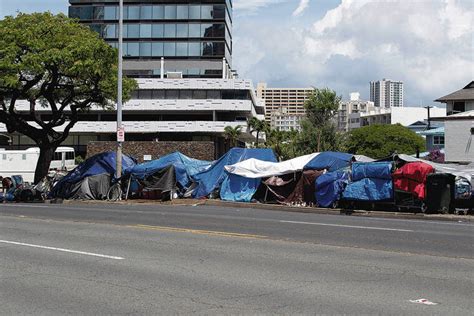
(395,115)
(386,93)
(284,107)
(354,105)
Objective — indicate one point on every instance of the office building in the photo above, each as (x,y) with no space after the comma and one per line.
(284,107)
(386,93)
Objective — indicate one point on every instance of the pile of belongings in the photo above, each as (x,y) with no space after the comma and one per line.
(92,179)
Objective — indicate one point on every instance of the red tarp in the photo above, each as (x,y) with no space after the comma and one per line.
(412,178)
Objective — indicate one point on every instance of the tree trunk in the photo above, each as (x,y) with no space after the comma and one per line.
(258,132)
(319,141)
(44,161)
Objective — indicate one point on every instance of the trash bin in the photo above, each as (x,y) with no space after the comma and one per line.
(440,193)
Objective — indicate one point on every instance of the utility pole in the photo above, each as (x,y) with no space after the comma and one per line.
(120,130)
(428,107)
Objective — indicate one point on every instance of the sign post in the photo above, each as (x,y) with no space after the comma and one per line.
(120,129)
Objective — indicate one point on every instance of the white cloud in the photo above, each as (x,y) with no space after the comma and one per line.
(301,7)
(427,44)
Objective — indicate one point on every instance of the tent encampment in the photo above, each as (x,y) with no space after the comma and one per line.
(212,178)
(184,167)
(91,179)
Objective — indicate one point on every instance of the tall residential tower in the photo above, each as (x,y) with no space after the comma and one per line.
(386,93)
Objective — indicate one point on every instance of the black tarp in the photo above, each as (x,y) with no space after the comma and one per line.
(94,187)
(163,180)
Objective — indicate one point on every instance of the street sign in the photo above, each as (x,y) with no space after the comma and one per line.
(121,134)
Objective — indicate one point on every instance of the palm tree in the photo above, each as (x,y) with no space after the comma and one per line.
(232,134)
(258,126)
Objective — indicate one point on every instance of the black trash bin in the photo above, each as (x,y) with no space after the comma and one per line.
(440,193)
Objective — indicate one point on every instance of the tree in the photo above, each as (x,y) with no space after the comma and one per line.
(57,64)
(258,126)
(379,141)
(318,129)
(232,134)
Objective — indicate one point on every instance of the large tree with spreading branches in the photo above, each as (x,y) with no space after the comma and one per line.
(57,64)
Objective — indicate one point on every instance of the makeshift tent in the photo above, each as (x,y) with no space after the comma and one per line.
(411,177)
(212,178)
(330,186)
(330,161)
(244,177)
(92,178)
(371,181)
(158,185)
(304,189)
(184,167)
(278,188)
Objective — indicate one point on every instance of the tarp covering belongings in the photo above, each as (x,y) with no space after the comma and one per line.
(330,161)
(329,187)
(303,192)
(153,185)
(211,179)
(370,181)
(411,177)
(92,178)
(184,167)
(258,168)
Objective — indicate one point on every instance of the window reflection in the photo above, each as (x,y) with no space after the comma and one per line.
(110,13)
(132,12)
(170,12)
(146,12)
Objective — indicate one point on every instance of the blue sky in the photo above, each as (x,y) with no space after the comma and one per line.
(344,44)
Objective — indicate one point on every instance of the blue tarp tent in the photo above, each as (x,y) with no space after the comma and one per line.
(329,160)
(210,179)
(371,181)
(184,167)
(330,186)
(91,178)
(238,189)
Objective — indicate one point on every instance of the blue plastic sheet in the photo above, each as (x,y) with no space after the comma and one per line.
(371,181)
(212,178)
(98,164)
(184,167)
(373,170)
(329,187)
(238,189)
(329,160)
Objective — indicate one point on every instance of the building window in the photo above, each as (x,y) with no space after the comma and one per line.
(146,12)
(110,13)
(438,140)
(182,12)
(170,30)
(132,13)
(110,31)
(170,12)
(459,107)
(158,12)
(145,49)
(157,30)
(157,49)
(182,30)
(145,30)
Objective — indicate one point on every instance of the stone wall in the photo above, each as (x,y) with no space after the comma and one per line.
(203,150)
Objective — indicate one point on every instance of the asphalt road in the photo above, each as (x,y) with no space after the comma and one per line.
(94,259)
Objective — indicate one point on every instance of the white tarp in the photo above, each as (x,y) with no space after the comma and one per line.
(255,168)
(362,158)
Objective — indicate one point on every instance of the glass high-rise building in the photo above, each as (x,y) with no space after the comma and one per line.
(386,93)
(193,36)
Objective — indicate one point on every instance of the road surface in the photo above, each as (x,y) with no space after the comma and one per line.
(102,258)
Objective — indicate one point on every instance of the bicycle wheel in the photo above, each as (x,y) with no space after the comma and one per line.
(114,193)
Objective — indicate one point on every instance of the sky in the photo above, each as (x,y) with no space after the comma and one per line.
(344,44)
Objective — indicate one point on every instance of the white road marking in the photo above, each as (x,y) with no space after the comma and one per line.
(61,249)
(348,226)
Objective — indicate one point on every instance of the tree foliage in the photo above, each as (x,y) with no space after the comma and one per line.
(232,134)
(57,64)
(258,126)
(319,131)
(379,141)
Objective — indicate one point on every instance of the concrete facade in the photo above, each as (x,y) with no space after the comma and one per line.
(386,93)
(284,107)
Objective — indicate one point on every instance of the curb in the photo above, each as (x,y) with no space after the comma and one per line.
(287,208)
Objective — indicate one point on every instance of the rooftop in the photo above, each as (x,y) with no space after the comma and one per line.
(466,93)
